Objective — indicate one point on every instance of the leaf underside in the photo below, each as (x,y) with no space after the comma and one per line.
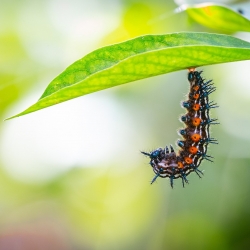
(140,58)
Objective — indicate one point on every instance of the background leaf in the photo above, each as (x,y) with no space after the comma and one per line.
(218,17)
(140,58)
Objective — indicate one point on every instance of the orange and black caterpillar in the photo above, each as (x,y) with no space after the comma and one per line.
(196,135)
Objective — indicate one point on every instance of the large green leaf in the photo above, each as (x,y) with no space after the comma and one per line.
(218,17)
(140,58)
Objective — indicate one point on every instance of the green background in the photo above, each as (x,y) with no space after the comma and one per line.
(72,176)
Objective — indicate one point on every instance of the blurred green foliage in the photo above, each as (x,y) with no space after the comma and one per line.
(111,204)
(218,17)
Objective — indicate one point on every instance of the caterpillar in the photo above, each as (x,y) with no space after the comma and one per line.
(196,135)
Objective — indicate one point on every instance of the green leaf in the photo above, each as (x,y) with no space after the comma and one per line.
(140,58)
(218,17)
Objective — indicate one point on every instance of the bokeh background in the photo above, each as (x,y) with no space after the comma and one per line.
(72,176)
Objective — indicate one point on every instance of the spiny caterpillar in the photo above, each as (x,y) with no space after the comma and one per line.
(196,135)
